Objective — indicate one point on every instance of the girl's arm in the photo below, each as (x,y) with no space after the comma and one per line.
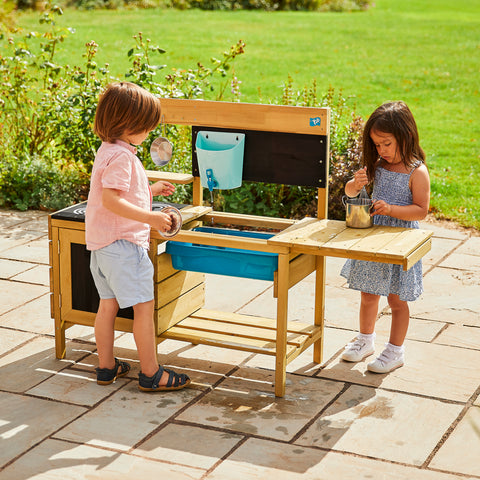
(112,200)
(360,179)
(420,187)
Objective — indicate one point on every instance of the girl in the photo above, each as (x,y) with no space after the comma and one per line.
(117,224)
(394,161)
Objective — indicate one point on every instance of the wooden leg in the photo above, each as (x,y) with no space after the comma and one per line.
(319,307)
(60,348)
(282,317)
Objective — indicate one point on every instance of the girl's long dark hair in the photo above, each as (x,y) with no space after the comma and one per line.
(397,119)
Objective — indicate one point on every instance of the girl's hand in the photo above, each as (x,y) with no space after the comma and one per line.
(162,187)
(380,207)
(360,178)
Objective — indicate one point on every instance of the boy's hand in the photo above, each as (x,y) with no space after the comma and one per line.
(162,187)
(161,221)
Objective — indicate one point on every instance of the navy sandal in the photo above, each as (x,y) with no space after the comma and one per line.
(106,376)
(176,381)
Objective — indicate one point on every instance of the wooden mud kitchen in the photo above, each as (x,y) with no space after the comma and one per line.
(277,144)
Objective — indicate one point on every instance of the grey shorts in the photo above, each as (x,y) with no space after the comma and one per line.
(123,270)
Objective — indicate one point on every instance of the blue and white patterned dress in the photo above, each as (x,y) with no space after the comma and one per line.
(384,278)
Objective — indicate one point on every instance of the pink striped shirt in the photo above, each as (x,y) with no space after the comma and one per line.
(116,166)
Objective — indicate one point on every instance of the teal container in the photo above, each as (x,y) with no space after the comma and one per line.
(224,260)
(220,159)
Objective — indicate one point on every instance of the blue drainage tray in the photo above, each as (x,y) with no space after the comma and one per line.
(224,260)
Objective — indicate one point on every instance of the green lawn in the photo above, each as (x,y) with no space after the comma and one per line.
(425,52)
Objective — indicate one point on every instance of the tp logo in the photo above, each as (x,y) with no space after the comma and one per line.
(315,121)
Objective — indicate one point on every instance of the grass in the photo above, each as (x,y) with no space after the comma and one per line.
(426,53)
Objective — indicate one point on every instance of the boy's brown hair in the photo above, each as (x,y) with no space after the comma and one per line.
(124,107)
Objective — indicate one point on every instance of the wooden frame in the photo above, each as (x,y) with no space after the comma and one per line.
(302,247)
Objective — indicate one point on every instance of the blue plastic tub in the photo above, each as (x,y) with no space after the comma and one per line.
(223,260)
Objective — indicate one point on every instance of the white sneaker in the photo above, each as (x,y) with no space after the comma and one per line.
(387,361)
(358,350)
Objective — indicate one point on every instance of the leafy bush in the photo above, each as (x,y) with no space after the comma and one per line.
(297,201)
(270,5)
(48,111)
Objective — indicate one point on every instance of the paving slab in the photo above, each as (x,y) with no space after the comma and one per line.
(382,424)
(188,445)
(437,371)
(264,459)
(460,336)
(462,261)
(228,294)
(461,450)
(245,403)
(25,421)
(10,268)
(38,274)
(35,249)
(33,316)
(441,248)
(126,417)
(75,387)
(334,342)
(14,294)
(36,361)
(11,339)
(418,329)
(58,460)
(18,239)
(470,247)
(450,295)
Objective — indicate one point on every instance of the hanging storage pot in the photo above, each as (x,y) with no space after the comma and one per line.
(220,159)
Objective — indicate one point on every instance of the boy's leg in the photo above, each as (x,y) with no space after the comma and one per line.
(104,332)
(400,320)
(144,334)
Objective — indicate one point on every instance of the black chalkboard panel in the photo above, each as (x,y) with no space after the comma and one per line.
(276,157)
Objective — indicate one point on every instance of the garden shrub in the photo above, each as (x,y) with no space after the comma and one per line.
(48,111)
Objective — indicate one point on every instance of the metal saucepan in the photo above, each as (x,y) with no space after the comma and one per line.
(161,149)
(358,212)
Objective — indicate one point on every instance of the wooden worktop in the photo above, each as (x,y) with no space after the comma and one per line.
(401,246)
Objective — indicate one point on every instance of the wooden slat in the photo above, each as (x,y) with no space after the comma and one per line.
(175,286)
(229,241)
(173,177)
(416,255)
(238,330)
(164,268)
(240,319)
(270,118)
(406,242)
(220,340)
(227,218)
(313,234)
(180,308)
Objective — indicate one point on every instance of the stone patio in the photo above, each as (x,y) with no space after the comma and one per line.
(336,420)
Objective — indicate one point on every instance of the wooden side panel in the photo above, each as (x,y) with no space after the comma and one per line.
(175,286)
(300,267)
(180,308)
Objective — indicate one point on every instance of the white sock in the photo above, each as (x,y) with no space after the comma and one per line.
(368,337)
(397,349)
